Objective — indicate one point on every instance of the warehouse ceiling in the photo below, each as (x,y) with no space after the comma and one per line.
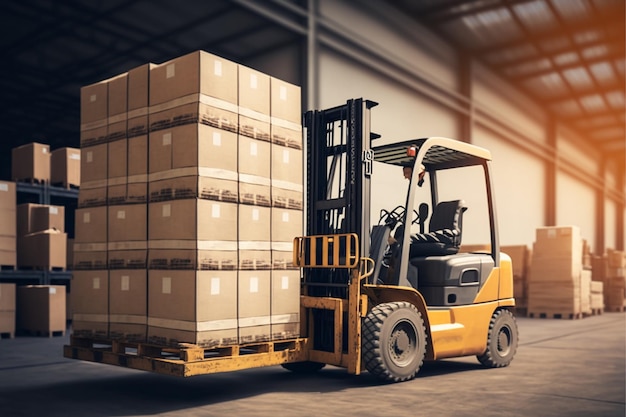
(566,54)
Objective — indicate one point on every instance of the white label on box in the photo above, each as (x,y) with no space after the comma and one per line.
(166,285)
(166,210)
(89,156)
(254,149)
(52,290)
(44,150)
(285,156)
(75,156)
(54,210)
(121,214)
(254,83)
(96,283)
(4,187)
(215,211)
(170,71)
(87,217)
(282,92)
(255,214)
(215,286)
(93,98)
(217,68)
(125,283)
(167,139)
(551,233)
(254,284)
(284,284)
(217,139)
(286,216)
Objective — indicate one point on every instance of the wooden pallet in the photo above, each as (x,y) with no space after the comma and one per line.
(594,312)
(7,335)
(614,309)
(7,267)
(41,333)
(185,359)
(555,315)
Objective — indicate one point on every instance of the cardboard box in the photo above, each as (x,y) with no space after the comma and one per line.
(254,93)
(44,217)
(95,135)
(254,223)
(554,297)
(192,219)
(117,156)
(7,297)
(254,255)
(285,101)
(285,304)
(94,163)
(31,162)
(520,258)
(117,107)
(556,269)
(138,101)
(42,250)
(254,306)
(558,241)
(197,307)
(253,193)
(8,257)
(8,216)
(616,258)
(192,255)
(93,195)
(8,196)
(254,159)
(7,323)
(128,223)
(41,309)
(65,167)
(288,135)
(128,304)
(91,225)
(282,255)
(193,145)
(94,104)
(286,166)
(286,224)
(90,303)
(90,256)
(127,255)
(197,72)
(288,198)
(192,186)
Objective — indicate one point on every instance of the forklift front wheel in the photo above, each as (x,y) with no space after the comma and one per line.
(307,367)
(394,341)
(501,340)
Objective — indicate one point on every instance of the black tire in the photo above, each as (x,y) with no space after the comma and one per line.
(501,340)
(394,341)
(307,367)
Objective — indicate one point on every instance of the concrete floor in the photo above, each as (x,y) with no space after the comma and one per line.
(562,368)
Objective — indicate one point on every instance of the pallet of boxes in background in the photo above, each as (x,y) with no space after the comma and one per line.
(191,196)
(614,282)
(8,228)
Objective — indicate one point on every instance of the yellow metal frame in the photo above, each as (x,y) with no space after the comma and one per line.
(330,245)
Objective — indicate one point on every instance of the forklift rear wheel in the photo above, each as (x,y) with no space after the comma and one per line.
(307,367)
(501,340)
(394,341)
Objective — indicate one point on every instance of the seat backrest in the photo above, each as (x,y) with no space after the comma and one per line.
(448,215)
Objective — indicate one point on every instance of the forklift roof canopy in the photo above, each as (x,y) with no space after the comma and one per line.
(436,153)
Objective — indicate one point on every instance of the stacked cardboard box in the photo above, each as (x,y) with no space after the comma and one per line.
(520,257)
(224,201)
(41,237)
(555,286)
(41,309)
(65,167)
(614,283)
(7,310)
(31,162)
(597,297)
(8,230)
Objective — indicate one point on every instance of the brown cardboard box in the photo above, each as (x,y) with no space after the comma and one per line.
(254,92)
(190,185)
(46,217)
(118,106)
(95,135)
(558,241)
(8,197)
(197,72)
(520,258)
(254,125)
(285,306)
(93,104)
(192,220)
(90,256)
(138,100)
(8,216)
(253,193)
(138,157)
(7,323)
(94,164)
(616,258)
(193,145)
(288,135)
(7,297)
(8,257)
(31,162)
(128,304)
(65,167)
(254,255)
(192,255)
(286,224)
(41,309)
(286,166)
(555,269)
(287,198)
(90,303)
(117,156)
(91,225)
(194,109)
(126,255)
(128,223)
(193,307)
(24,218)
(42,250)
(254,158)
(553,297)
(254,223)
(282,255)
(285,101)
(93,195)
(254,306)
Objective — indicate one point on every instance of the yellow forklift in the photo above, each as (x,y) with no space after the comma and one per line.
(383,298)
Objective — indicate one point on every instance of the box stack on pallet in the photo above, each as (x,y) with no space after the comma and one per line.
(41,237)
(520,258)
(7,311)
(31,163)
(41,310)
(204,198)
(555,284)
(614,283)
(65,168)
(8,229)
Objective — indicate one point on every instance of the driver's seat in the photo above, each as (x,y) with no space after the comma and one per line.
(444,235)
